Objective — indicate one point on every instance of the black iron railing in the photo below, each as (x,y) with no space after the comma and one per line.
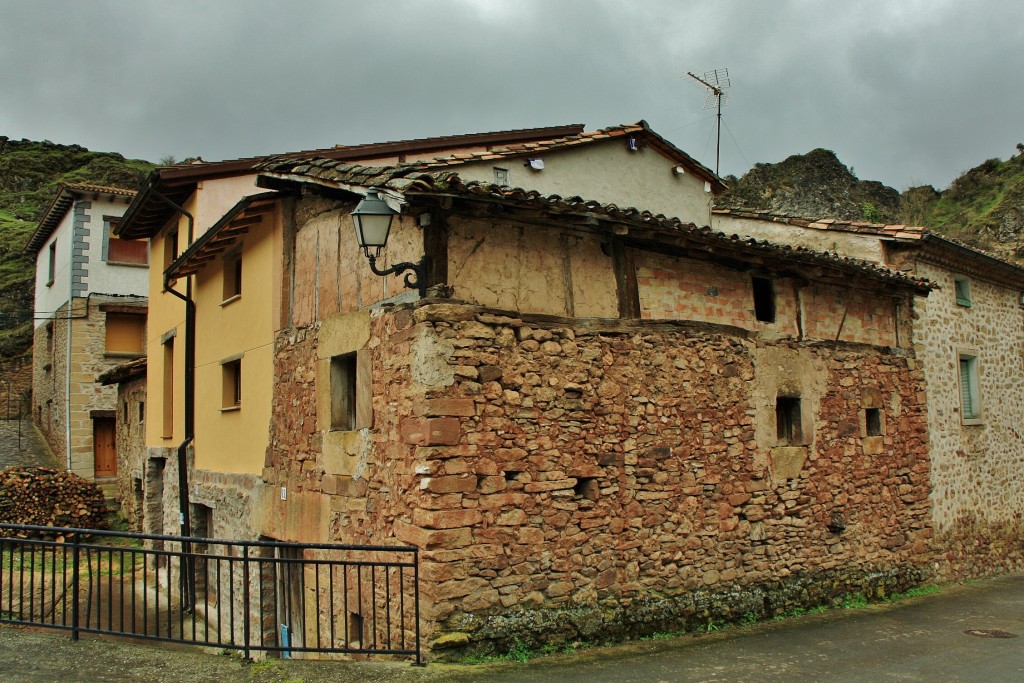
(286,598)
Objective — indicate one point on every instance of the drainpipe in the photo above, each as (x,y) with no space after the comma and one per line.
(67,360)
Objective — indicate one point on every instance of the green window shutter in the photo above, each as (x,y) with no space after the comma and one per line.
(966,403)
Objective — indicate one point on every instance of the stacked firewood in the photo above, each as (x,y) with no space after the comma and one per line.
(44,496)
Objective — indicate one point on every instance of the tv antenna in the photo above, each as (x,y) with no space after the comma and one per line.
(717,83)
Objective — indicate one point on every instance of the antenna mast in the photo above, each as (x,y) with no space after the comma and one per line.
(717,82)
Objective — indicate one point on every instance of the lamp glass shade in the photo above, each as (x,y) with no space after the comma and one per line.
(372,218)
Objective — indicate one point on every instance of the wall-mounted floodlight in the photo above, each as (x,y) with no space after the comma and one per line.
(372,218)
(535,164)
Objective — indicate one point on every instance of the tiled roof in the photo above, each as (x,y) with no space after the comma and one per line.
(149,212)
(419,180)
(123,372)
(639,130)
(906,234)
(98,189)
(896,231)
(65,197)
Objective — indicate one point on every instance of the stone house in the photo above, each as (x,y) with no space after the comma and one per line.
(236,333)
(969,338)
(598,420)
(130,408)
(90,308)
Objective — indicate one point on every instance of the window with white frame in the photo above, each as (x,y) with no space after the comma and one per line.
(970,394)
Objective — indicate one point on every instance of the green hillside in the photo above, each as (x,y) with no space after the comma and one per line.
(984,207)
(30,173)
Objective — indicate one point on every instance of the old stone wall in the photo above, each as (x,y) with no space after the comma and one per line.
(131,450)
(88,359)
(627,472)
(17,387)
(977,465)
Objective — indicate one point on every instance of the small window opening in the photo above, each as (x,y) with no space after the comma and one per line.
(764,299)
(787,420)
(232,384)
(873,421)
(587,487)
(962,287)
(170,248)
(142,411)
(233,276)
(125,412)
(355,630)
(343,392)
(501,176)
(51,263)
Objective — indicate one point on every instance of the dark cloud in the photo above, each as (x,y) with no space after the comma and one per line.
(905,92)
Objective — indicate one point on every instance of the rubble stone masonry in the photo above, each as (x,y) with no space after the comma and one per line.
(977,468)
(582,479)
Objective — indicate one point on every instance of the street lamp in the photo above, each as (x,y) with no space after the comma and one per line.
(372,218)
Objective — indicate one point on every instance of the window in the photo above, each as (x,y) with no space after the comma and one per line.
(501,176)
(343,392)
(51,266)
(127,251)
(170,248)
(126,333)
(970,399)
(962,287)
(764,299)
(787,420)
(873,421)
(168,389)
(233,276)
(231,375)
(142,412)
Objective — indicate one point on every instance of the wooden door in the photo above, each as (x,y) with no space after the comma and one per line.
(104,445)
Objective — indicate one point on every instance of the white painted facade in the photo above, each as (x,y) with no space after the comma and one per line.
(101,276)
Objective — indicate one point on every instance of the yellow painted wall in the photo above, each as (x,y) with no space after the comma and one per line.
(235,440)
(250,324)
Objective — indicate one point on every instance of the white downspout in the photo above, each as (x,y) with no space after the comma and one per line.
(67,364)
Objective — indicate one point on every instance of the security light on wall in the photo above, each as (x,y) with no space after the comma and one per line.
(679,170)
(535,164)
(372,218)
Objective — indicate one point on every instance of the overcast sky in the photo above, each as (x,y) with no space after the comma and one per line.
(905,91)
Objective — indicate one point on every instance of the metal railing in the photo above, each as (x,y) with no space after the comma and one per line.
(285,598)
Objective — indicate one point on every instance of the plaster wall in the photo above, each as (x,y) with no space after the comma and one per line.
(233,438)
(611,174)
(50,297)
(685,289)
(867,247)
(98,275)
(329,271)
(528,268)
(166,323)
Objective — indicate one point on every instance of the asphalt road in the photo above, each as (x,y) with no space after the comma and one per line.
(942,637)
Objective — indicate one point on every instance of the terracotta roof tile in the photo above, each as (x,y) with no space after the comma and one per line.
(422,179)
